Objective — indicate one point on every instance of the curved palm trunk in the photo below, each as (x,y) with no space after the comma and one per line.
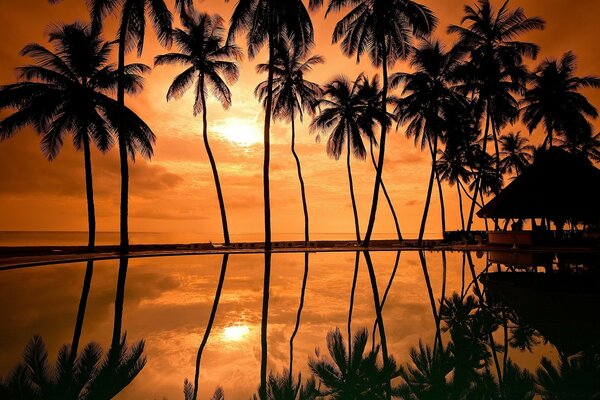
(436,317)
(119,302)
(89,191)
(377,304)
(301,180)
(299,314)
(351,306)
(460,205)
(354,209)
(211,320)
(476,191)
(387,196)
(428,199)
(379,174)
(124,160)
(263,327)
(85,291)
(213,164)
(385,294)
(442,207)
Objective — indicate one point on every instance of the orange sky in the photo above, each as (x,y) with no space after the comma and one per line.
(175,192)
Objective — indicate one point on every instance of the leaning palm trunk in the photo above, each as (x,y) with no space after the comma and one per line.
(351,306)
(442,208)
(301,180)
(460,205)
(379,174)
(85,291)
(213,165)
(436,317)
(298,314)
(387,196)
(89,190)
(478,182)
(354,209)
(124,212)
(119,302)
(428,199)
(211,320)
(385,295)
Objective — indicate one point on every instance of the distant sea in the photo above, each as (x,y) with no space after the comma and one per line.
(79,238)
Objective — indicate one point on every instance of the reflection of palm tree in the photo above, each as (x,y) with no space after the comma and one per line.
(516,154)
(554,99)
(299,313)
(384,30)
(357,376)
(341,112)
(292,94)
(264,319)
(64,93)
(85,291)
(436,316)
(426,378)
(90,376)
(577,377)
(351,306)
(211,320)
(131,32)
(385,293)
(265,21)
(207,59)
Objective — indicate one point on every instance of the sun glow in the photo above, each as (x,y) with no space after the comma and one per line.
(241,131)
(235,333)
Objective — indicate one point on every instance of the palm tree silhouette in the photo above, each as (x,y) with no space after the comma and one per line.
(451,168)
(267,22)
(90,376)
(355,376)
(188,392)
(429,100)
(370,90)
(65,92)
(131,32)
(285,387)
(383,29)
(341,110)
(553,98)
(576,377)
(584,144)
(212,63)
(292,95)
(515,153)
(299,313)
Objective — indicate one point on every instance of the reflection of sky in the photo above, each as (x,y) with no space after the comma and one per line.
(168,301)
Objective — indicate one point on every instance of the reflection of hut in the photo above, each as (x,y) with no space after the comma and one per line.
(558,187)
(563,308)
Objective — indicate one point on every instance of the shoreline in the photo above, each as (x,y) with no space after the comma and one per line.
(15,257)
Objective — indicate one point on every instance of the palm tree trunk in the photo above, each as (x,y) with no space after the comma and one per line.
(211,320)
(354,209)
(213,164)
(377,305)
(379,174)
(301,180)
(460,205)
(85,291)
(299,314)
(263,327)
(442,208)
(476,191)
(428,199)
(385,294)
(119,302)
(267,142)
(482,202)
(436,318)
(351,306)
(123,158)
(387,196)
(89,191)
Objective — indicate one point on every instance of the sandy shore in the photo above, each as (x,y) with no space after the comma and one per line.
(20,257)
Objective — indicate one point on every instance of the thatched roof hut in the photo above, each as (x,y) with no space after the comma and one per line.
(558,186)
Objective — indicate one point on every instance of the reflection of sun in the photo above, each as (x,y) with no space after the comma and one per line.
(235,333)
(241,131)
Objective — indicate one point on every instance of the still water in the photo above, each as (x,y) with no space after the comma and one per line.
(474,341)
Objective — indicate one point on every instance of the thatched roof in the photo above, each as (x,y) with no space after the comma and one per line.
(557,186)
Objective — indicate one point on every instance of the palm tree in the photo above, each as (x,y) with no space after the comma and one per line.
(285,387)
(341,111)
(584,144)
(212,63)
(355,376)
(451,168)
(188,392)
(576,377)
(131,32)
(384,29)
(292,95)
(429,102)
(371,92)
(516,154)
(267,22)
(90,376)
(554,98)
(64,92)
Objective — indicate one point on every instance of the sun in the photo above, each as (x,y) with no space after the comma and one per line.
(235,333)
(240,131)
